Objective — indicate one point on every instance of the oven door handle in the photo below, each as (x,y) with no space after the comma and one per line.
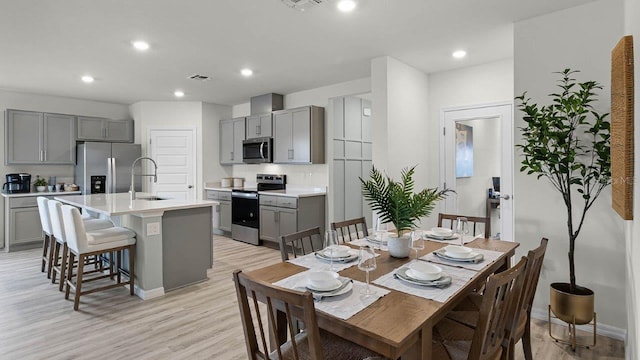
(244,195)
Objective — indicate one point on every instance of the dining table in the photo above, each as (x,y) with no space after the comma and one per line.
(398,324)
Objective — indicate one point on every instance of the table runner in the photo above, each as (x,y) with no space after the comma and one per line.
(342,306)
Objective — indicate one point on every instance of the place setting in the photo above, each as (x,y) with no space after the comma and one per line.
(462,257)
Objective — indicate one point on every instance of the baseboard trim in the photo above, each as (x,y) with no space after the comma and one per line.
(602,329)
(149,294)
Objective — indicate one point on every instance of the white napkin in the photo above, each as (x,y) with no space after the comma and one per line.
(489,257)
(342,306)
(459,277)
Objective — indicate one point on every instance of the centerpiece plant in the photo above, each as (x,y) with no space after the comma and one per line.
(396,202)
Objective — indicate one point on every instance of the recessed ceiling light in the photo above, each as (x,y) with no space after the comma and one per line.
(347,5)
(459,54)
(246,72)
(140,45)
(178,93)
(88,79)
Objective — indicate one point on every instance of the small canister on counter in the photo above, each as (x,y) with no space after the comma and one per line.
(238,183)
(226,182)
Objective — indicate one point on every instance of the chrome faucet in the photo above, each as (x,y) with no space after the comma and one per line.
(133,174)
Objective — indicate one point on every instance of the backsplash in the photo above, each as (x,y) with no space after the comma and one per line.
(304,175)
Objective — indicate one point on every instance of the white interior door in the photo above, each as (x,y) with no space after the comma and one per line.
(491,128)
(174,152)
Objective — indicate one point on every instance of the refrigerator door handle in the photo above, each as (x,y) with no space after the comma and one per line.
(109,176)
(113,175)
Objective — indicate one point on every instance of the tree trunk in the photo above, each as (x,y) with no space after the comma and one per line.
(572,268)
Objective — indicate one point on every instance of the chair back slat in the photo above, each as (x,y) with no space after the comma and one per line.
(499,305)
(350,229)
(300,243)
(449,220)
(294,305)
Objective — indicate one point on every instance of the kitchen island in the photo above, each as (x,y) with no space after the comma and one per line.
(173,247)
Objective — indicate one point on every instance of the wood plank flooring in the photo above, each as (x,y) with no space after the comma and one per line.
(198,322)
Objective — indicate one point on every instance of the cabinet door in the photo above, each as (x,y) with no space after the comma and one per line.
(288,221)
(25,226)
(225,215)
(268,224)
(90,128)
(23,136)
(59,139)
(265,125)
(238,136)
(282,134)
(253,127)
(226,142)
(118,130)
(301,133)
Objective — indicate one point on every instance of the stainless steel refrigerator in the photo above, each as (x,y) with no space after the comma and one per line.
(103,167)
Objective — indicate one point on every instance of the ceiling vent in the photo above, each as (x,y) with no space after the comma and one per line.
(199,77)
(303,5)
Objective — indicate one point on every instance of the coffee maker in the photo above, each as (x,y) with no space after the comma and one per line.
(17,183)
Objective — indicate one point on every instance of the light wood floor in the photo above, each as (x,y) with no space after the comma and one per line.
(198,322)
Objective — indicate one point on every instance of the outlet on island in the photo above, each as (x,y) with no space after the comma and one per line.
(153,228)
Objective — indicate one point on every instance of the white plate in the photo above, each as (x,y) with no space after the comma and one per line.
(412,274)
(344,290)
(461,256)
(330,287)
(327,253)
(430,234)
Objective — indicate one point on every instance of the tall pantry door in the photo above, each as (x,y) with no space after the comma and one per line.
(174,152)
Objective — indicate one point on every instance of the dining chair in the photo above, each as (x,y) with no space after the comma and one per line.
(520,328)
(449,220)
(352,229)
(286,305)
(300,243)
(499,305)
(49,242)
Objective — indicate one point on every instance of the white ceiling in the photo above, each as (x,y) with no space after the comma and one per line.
(46,46)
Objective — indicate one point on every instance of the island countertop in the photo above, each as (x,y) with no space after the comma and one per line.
(120,204)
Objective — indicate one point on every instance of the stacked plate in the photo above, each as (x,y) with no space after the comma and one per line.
(459,253)
(440,233)
(423,274)
(338,253)
(327,283)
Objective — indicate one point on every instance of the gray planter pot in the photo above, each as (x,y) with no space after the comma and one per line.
(399,247)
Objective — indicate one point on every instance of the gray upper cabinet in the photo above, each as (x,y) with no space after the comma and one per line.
(298,136)
(259,126)
(232,132)
(101,129)
(39,138)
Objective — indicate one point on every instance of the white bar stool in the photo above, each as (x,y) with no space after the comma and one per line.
(84,244)
(47,245)
(57,227)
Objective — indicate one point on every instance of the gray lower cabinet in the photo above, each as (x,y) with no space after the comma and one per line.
(232,132)
(39,138)
(102,129)
(298,136)
(222,211)
(283,215)
(259,126)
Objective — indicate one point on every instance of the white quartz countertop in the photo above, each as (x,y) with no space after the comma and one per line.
(291,191)
(43,193)
(120,204)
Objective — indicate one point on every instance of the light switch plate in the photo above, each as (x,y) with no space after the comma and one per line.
(153,228)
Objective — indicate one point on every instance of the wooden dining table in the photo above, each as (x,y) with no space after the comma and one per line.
(398,324)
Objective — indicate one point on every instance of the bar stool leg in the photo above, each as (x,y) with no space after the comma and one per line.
(118,266)
(132,255)
(56,255)
(52,242)
(63,266)
(45,248)
(76,301)
(111,260)
(69,275)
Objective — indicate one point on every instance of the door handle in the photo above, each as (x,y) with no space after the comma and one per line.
(231,155)
(190,186)
(258,130)
(262,150)
(506,197)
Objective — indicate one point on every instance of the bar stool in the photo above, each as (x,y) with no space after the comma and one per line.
(84,244)
(47,245)
(55,216)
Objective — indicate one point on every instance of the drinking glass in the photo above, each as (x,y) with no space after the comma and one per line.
(462,228)
(367,262)
(330,244)
(381,232)
(417,241)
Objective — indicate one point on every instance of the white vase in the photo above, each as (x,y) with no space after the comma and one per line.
(399,247)
(41,188)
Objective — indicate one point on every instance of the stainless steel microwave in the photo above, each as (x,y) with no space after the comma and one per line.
(258,150)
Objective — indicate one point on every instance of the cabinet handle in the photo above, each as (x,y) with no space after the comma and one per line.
(44,156)
(106,132)
(231,155)
(258,130)
(290,154)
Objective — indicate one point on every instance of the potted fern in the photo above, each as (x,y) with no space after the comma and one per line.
(395,202)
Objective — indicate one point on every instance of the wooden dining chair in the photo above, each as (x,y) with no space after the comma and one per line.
(499,305)
(300,243)
(519,328)
(284,306)
(350,229)
(449,221)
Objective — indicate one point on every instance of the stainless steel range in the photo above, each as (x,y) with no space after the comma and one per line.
(245,207)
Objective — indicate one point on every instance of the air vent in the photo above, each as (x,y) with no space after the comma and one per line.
(199,77)
(303,5)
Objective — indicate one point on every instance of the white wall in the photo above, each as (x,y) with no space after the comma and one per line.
(211,115)
(632,228)
(578,38)
(475,85)
(53,104)
(307,175)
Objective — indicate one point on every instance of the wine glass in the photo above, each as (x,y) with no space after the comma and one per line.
(330,244)
(462,228)
(367,262)
(381,232)
(417,241)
